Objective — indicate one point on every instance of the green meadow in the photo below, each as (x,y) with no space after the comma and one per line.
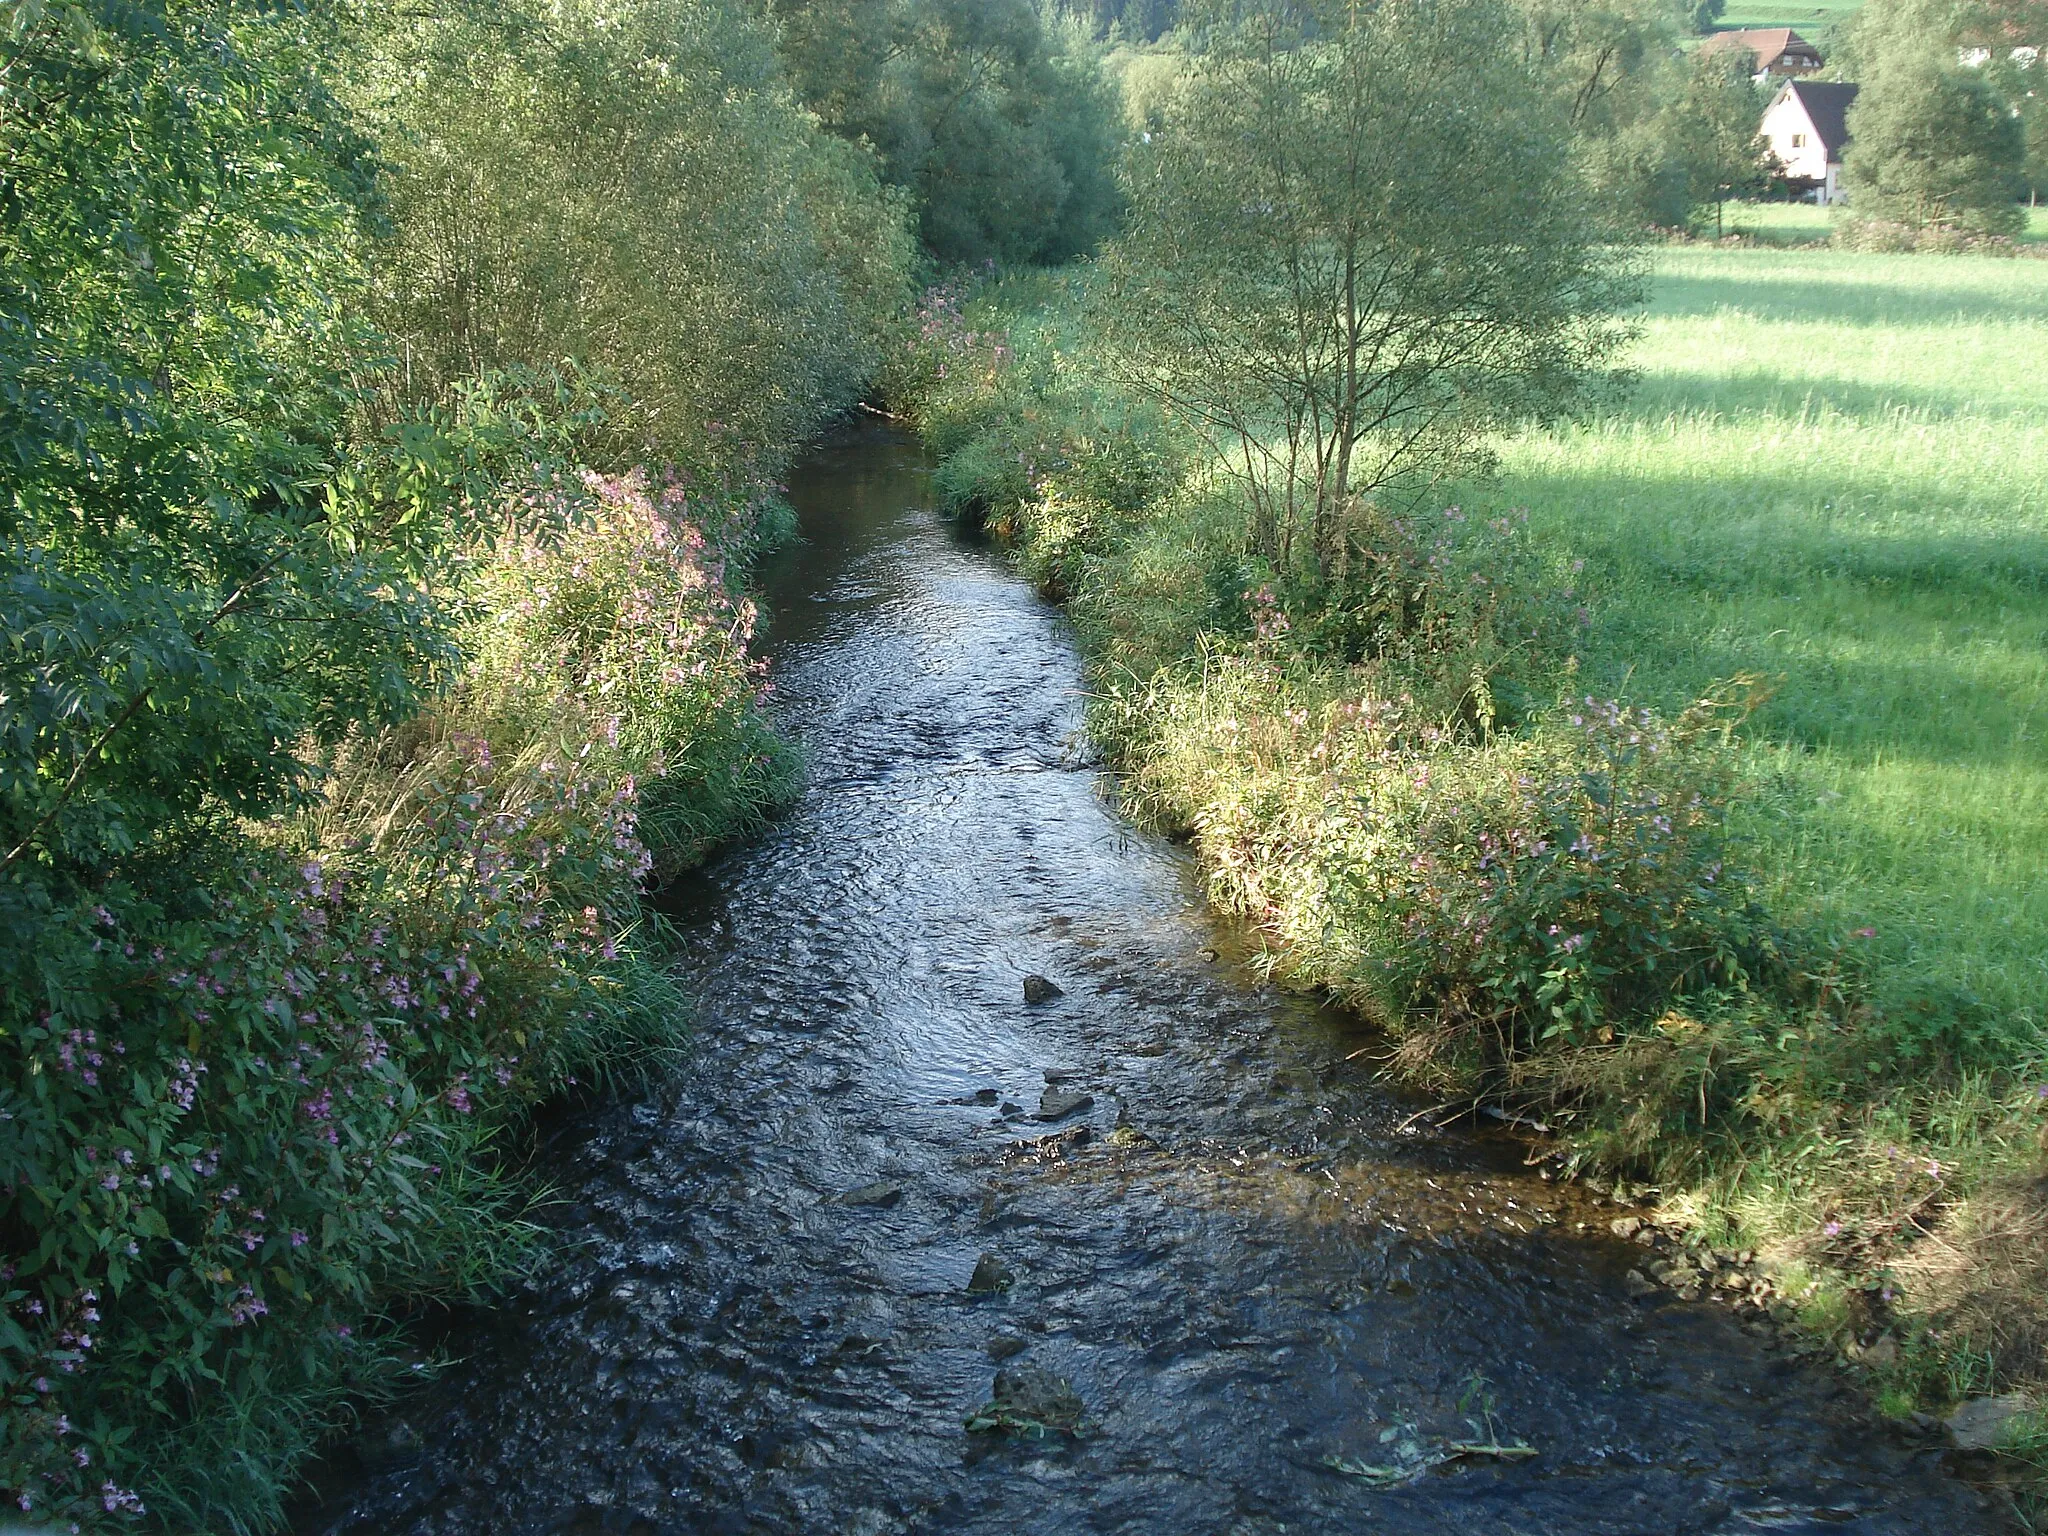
(1833,473)
(1807,223)
(1803,16)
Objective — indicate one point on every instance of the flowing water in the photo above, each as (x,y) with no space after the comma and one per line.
(1250,1272)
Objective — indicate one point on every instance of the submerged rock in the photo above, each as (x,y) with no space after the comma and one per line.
(882,1192)
(1005,1346)
(1030,1404)
(1038,990)
(990,1275)
(393,1448)
(1639,1285)
(1058,1103)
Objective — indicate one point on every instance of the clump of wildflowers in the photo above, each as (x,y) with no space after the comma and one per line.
(239,1131)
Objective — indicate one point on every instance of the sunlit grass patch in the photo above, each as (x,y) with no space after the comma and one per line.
(1832,475)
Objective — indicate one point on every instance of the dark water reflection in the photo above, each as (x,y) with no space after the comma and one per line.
(1258,1273)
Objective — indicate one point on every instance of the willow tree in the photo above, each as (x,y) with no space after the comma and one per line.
(1356,244)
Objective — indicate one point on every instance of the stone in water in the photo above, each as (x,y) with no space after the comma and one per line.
(1038,990)
(1058,1103)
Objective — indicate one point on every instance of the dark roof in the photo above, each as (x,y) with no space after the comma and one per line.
(1827,106)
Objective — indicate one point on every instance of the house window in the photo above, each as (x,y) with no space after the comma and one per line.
(1799,141)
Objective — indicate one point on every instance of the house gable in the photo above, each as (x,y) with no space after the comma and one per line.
(1806,126)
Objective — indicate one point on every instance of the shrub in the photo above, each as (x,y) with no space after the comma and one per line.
(1933,144)
(240,1124)
(1553,889)
(259,1078)
(623,635)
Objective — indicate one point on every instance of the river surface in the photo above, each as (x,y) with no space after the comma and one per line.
(1250,1273)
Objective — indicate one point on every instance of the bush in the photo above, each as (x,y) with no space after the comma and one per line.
(259,1077)
(634,186)
(343,715)
(614,629)
(1857,232)
(1932,144)
(1550,890)
(242,1123)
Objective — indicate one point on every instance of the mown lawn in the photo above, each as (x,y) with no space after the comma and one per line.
(1834,473)
(1805,17)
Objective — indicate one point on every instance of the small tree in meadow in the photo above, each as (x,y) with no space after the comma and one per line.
(1933,145)
(1714,133)
(1356,242)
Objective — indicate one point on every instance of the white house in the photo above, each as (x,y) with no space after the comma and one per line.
(1806,126)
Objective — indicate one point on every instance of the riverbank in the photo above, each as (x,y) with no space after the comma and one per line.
(1811,1009)
(453,934)
(805,1284)
(387,465)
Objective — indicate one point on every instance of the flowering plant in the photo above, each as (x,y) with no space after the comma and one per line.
(253,1081)
(1556,886)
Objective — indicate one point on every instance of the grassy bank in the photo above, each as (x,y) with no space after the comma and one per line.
(273,1106)
(1776,944)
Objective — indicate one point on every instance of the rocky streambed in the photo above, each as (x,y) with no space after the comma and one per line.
(999,1198)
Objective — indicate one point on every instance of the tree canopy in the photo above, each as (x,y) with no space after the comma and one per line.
(1933,144)
(1357,241)
(1003,127)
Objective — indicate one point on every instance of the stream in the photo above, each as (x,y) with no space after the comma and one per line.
(1275,1302)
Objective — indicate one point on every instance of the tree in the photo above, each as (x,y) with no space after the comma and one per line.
(1933,144)
(1005,136)
(1714,132)
(1357,243)
(634,185)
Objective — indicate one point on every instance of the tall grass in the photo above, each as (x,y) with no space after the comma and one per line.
(1831,474)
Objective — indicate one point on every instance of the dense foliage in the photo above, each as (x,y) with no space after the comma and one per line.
(1950,124)
(354,676)
(1356,243)
(1002,126)
(632,186)
(1933,144)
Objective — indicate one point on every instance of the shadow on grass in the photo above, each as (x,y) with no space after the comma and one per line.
(1904,703)
(1769,394)
(1796,297)
(1780,528)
